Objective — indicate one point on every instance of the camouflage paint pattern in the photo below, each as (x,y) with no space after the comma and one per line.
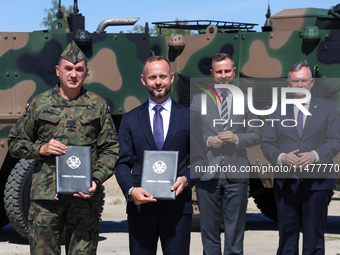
(115,61)
(4,131)
(27,64)
(32,57)
(262,54)
(84,121)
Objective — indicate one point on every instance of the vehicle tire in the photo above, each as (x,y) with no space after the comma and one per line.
(17,196)
(265,201)
(3,217)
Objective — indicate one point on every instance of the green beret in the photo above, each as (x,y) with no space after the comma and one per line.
(72,53)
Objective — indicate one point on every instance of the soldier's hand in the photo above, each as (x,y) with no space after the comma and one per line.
(179,185)
(215,142)
(228,136)
(53,147)
(141,196)
(290,158)
(91,190)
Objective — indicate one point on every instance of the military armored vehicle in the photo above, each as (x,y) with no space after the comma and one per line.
(27,64)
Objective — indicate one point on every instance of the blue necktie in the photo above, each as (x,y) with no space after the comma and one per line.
(158,132)
(224,110)
(299,125)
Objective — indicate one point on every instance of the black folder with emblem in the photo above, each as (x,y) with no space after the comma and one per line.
(74,170)
(159,173)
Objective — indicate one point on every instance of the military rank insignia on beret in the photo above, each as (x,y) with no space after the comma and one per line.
(72,53)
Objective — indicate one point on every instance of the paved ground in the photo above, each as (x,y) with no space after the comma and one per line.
(261,236)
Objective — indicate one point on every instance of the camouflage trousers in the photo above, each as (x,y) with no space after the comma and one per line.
(47,220)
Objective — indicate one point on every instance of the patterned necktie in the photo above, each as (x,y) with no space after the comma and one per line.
(158,132)
(224,110)
(299,125)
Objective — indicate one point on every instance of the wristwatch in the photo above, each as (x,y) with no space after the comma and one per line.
(129,193)
(96,181)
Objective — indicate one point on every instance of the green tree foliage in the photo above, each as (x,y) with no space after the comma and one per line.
(154,31)
(141,29)
(51,14)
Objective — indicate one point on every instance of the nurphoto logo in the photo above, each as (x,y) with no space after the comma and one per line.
(238,104)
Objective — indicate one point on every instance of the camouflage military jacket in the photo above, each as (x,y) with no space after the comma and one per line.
(84,121)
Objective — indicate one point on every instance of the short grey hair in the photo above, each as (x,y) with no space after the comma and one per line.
(298,66)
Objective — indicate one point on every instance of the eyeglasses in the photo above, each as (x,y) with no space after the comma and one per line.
(297,81)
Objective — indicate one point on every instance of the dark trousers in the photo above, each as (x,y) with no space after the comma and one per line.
(173,229)
(301,209)
(221,199)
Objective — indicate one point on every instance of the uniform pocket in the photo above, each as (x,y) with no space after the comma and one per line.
(89,116)
(50,115)
(90,125)
(47,126)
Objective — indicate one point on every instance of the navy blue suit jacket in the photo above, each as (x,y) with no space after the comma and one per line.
(321,133)
(135,136)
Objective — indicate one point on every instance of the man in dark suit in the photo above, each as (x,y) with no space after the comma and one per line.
(149,218)
(223,196)
(302,201)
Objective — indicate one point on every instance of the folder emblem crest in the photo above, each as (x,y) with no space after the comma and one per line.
(73,162)
(159,167)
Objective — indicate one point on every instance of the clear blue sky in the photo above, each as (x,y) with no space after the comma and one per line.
(26,16)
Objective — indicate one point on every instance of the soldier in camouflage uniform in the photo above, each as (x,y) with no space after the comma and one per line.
(65,115)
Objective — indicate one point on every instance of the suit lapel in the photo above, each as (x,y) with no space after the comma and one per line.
(231,116)
(144,120)
(290,116)
(213,111)
(175,118)
(313,107)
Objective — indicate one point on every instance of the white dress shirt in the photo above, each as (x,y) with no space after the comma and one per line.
(296,112)
(219,107)
(165,114)
(229,100)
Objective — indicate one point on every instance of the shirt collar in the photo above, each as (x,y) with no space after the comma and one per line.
(219,92)
(166,104)
(306,105)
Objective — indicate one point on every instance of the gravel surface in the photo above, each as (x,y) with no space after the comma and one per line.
(261,236)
